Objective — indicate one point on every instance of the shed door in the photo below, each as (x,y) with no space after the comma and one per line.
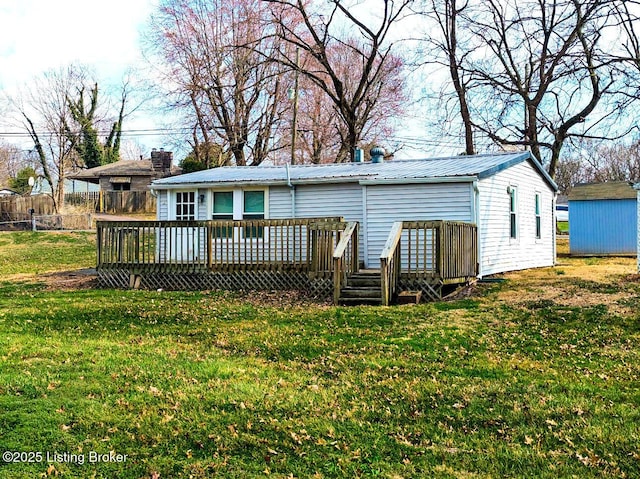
(429,201)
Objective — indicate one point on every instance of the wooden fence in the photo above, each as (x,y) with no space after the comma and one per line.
(18,207)
(117,202)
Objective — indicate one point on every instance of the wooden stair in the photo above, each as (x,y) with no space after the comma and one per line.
(363,287)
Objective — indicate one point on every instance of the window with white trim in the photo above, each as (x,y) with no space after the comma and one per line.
(538,217)
(239,205)
(185,205)
(223,210)
(513,212)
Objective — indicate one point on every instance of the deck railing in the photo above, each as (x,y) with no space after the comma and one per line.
(345,258)
(443,250)
(303,244)
(390,263)
(324,240)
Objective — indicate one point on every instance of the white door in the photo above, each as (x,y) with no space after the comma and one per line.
(186,241)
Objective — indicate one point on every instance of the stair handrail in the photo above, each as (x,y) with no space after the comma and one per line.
(390,264)
(345,258)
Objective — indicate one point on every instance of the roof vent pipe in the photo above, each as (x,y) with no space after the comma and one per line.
(377,154)
(358,154)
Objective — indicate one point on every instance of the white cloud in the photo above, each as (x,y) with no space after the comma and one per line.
(40,35)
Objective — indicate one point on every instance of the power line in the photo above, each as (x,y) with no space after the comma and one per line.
(136,132)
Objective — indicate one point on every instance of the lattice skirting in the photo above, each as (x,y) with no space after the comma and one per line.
(432,289)
(237,281)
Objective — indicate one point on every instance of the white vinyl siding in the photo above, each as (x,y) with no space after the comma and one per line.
(280,202)
(203,204)
(339,199)
(427,201)
(500,253)
(455,201)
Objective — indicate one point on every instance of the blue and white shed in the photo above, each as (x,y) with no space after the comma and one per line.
(509,196)
(603,219)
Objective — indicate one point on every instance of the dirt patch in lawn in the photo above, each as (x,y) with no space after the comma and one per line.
(70,280)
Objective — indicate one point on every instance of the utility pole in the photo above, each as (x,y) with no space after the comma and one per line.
(294,121)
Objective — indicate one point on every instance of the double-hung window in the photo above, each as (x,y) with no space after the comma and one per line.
(513,212)
(538,217)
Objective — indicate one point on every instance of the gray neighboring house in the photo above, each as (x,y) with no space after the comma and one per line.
(509,196)
(130,175)
(42,187)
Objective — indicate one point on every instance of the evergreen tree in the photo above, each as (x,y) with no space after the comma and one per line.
(20,184)
(86,141)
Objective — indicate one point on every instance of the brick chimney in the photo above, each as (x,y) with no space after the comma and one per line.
(161,161)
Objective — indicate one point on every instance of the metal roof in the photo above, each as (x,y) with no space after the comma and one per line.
(612,190)
(463,167)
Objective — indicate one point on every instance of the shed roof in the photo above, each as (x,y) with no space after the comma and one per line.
(463,168)
(611,190)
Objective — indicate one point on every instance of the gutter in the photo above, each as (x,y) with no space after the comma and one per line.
(227,184)
(429,180)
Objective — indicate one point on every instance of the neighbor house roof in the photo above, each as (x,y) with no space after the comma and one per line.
(120,168)
(612,190)
(462,168)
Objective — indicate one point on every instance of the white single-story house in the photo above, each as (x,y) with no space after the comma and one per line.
(509,196)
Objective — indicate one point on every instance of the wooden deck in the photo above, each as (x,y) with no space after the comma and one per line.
(317,255)
(427,255)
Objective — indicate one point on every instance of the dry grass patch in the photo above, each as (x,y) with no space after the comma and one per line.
(576,282)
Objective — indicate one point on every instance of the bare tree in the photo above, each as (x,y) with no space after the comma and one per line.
(322,134)
(218,58)
(43,110)
(445,47)
(12,160)
(628,14)
(592,161)
(535,72)
(84,128)
(319,33)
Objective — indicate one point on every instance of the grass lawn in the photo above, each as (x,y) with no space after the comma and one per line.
(537,375)
(563,227)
